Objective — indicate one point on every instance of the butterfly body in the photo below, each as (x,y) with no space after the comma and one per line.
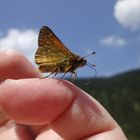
(65,66)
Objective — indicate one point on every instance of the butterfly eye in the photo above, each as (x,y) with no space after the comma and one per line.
(82,61)
(79,59)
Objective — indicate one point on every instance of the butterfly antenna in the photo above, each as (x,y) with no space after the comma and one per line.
(89,55)
(93,67)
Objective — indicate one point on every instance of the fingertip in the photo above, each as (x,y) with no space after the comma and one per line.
(10,56)
(14,65)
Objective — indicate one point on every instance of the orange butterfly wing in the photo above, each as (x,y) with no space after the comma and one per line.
(51,50)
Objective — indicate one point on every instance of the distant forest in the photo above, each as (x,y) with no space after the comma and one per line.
(120,95)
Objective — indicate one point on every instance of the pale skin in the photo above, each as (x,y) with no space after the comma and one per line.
(42,109)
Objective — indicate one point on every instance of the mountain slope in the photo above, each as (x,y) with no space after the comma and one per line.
(120,95)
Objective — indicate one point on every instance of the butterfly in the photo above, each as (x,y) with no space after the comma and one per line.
(52,56)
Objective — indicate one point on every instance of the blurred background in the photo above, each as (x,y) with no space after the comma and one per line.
(110,28)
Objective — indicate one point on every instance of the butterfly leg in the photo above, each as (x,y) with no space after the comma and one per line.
(47,75)
(54,75)
(62,77)
(73,76)
(54,71)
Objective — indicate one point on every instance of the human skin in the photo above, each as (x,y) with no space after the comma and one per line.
(44,109)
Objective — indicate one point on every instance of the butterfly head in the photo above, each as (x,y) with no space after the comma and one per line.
(81,62)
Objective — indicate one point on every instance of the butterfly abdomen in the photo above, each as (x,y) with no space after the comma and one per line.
(52,68)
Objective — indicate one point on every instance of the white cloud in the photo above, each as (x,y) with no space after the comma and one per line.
(22,40)
(113,41)
(127,13)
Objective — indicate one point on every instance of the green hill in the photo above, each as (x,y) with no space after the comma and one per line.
(120,95)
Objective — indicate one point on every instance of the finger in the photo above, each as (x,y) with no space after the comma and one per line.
(13,65)
(34,101)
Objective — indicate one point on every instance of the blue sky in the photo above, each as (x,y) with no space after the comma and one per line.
(111,28)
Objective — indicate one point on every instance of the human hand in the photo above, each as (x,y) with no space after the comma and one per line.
(44,109)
